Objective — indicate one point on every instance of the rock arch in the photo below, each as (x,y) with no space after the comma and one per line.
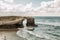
(30,21)
(15,22)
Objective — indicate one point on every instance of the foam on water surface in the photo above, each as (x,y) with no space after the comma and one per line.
(48,29)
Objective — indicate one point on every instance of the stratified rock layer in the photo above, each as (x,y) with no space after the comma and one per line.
(11,22)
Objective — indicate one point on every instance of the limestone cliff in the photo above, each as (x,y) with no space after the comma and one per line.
(15,22)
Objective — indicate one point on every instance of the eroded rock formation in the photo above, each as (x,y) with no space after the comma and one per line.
(9,22)
(30,22)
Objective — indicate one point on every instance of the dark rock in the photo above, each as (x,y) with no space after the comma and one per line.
(19,25)
(9,22)
(30,28)
(30,21)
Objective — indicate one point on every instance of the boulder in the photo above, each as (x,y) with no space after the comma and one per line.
(30,21)
(30,28)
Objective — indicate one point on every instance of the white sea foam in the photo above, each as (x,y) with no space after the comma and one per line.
(46,23)
(30,35)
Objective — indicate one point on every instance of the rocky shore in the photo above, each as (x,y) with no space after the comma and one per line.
(13,22)
(9,26)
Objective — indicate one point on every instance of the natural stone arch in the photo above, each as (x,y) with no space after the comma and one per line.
(30,21)
(15,21)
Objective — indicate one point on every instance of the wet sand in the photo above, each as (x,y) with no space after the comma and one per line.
(9,35)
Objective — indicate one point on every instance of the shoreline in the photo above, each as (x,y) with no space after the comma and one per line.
(10,34)
(8,29)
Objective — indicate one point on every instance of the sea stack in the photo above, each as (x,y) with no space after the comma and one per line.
(30,21)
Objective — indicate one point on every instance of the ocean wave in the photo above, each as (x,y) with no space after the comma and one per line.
(57,27)
(53,24)
(30,35)
(54,34)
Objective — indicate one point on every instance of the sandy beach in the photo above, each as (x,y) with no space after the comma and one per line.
(9,35)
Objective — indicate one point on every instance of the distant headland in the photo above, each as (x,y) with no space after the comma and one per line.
(13,22)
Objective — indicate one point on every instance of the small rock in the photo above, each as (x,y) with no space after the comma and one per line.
(30,28)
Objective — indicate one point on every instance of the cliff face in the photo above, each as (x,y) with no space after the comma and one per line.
(30,21)
(9,22)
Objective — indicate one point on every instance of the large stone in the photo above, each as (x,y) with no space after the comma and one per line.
(30,28)
(30,21)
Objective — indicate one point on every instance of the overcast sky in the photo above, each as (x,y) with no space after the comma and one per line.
(35,2)
(30,7)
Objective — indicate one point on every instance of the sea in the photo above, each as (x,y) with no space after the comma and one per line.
(48,28)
